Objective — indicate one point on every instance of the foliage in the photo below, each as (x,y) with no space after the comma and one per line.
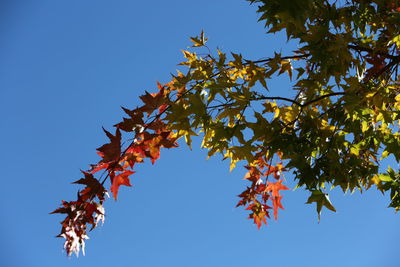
(339,121)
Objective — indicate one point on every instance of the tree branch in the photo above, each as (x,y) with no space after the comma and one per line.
(272,58)
(296,102)
(372,51)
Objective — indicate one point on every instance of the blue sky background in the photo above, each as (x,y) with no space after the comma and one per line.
(65,69)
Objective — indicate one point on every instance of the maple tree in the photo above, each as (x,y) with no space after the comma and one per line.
(338,123)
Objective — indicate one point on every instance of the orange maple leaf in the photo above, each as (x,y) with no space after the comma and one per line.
(275,170)
(276,197)
(120,179)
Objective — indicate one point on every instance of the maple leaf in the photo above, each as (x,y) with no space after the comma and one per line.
(79,213)
(259,213)
(321,199)
(260,188)
(253,174)
(153,143)
(167,141)
(93,187)
(134,154)
(120,179)
(274,188)
(152,101)
(111,151)
(286,66)
(276,204)
(156,125)
(154,153)
(259,219)
(199,40)
(134,122)
(63,209)
(246,197)
(97,167)
(275,170)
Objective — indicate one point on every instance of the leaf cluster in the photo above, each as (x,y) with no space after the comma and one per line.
(338,122)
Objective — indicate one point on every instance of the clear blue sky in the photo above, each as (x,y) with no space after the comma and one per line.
(65,69)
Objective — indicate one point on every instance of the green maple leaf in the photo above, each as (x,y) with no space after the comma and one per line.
(321,199)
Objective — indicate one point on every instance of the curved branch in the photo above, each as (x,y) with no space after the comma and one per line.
(302,105)
(322,97)
(272,58)
(277,98)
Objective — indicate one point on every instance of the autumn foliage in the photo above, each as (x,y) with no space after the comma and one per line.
(339,121)
(117,163)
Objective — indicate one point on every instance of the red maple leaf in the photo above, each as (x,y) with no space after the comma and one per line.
(134,154)
(99,166)
(130,124)
(154,142)
(111,151)
(152,101)
(93,187)
(167,141)
(120,179)
(259,213)
(253,174)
